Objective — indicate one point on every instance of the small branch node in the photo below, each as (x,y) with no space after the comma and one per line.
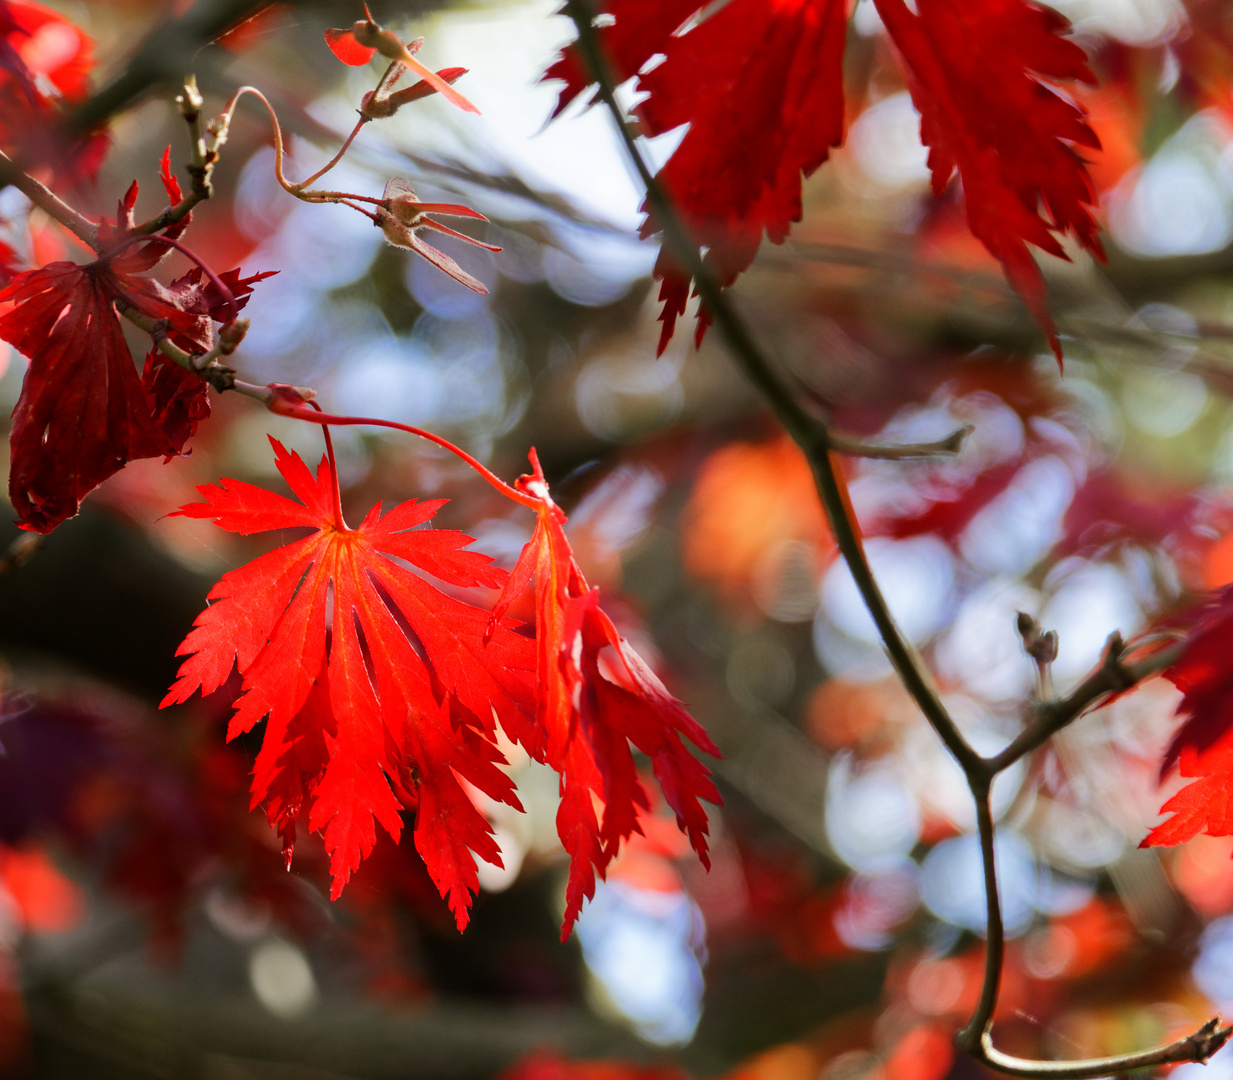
(219,376)
(1120,678)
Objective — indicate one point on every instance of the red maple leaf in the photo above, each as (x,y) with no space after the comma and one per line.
(596,696)
(378,689)
(84,412)
(1202,749)
(179,400)
(760,116)
(976,71)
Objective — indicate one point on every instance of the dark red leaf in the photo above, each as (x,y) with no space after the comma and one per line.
(978,72)
(84,413)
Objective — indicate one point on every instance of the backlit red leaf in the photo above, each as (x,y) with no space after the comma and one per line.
(1202,749)
(372,682)
(596,697)
(760,86)
(979,73)
(343,45)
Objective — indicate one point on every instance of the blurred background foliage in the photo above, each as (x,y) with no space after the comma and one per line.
(147,927)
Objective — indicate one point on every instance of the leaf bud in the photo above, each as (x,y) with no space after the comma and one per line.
(230,336)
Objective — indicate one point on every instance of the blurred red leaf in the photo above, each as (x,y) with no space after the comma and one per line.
(47,900)
(44,65)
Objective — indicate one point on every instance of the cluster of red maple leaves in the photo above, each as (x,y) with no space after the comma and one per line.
(381,694)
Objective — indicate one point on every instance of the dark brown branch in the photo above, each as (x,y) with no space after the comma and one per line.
(1196,1047)
(974,1031)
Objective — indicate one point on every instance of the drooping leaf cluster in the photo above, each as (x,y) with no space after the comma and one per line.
(982,75)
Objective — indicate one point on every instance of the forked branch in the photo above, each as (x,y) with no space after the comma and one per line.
(819,443)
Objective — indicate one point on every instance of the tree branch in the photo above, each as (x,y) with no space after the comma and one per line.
(160,58)
(48,201)
(974,1031)
(816,440)
(1199,1046)
(200,165)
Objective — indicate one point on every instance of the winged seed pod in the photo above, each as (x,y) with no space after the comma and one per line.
(401,215)
(363,39)
(381,103)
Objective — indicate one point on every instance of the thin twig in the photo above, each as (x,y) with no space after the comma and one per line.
(221,125)
(342,150)
(290,401)
(1199,1046)
(850,447)
(217,374)
(200,166)
(970,1037)
(977,1035)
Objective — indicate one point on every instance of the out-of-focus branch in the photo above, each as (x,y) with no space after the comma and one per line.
(952,444)
(161,58)
(48,201)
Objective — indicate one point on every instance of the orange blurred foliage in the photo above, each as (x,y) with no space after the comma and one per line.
(748,500)
(867,717)
(1203,873)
